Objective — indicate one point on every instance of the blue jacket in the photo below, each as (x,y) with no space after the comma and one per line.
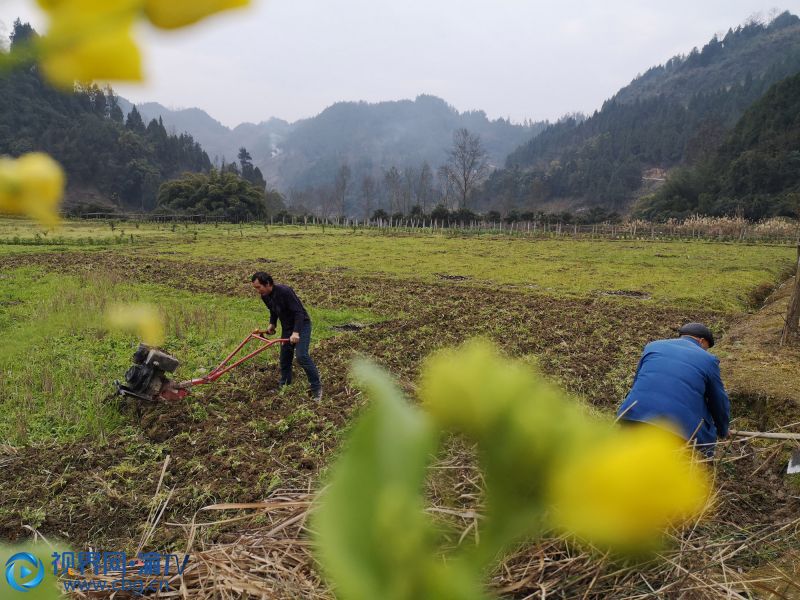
(679,381)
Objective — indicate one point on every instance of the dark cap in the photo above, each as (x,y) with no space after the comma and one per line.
(698,330)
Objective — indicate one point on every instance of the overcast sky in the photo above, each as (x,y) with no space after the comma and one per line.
(521,59)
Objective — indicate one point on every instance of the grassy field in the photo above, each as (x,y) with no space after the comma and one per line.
(78,463)
(699,274)
(61,359)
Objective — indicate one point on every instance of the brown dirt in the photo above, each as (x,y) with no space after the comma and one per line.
(241,440)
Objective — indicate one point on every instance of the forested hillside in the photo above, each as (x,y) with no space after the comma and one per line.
(677,113)
(755,173)
(220,142)
(111,161)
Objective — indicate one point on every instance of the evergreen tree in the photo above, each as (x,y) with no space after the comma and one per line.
(114,111)
(248,171)
(83,130)
(21,33)
(244,158)
(134,121)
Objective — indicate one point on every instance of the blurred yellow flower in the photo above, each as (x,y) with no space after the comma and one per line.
(467,389)
(170,14)
(476,391)
(142,319)
(31,185)
(49,4)
(625,490)
(90,39)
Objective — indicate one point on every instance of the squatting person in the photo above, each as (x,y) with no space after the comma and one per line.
(678,383)
(284,305)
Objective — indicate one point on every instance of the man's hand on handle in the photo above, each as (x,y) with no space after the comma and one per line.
(270,329)
(294,338)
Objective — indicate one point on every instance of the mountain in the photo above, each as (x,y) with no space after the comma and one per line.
(755,172)
(752,48)
(676,113)
(369,137)
(220,142)
(374,137)
(110,163)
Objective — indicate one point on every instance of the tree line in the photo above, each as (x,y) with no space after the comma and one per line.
(120,163)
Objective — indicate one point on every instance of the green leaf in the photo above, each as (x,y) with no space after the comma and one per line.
(374,539)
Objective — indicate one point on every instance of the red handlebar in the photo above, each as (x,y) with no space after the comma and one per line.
(224,367)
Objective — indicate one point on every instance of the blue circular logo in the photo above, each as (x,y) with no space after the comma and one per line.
(28,565)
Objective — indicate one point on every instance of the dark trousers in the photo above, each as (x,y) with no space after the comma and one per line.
(303,358)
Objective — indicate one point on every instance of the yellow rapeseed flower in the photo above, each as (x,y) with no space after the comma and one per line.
(171,14)
(90,39)
(142,319)
(31,185)
(623,492)
(467,389)
(49,4)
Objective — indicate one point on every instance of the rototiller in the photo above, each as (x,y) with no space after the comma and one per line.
(147,378)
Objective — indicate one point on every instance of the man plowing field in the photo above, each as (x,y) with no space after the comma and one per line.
(148,378)
(284,305)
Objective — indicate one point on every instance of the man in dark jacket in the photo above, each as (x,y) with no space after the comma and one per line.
(284,305)
(678,382)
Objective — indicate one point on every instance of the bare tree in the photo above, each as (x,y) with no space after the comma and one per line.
(368,190)
(342,182)
(301,200)
(326,201)
(467,164)
(394,183)
(447,186)
(424,186)
(409,181)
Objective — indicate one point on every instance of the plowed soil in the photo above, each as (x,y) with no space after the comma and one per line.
(251,440)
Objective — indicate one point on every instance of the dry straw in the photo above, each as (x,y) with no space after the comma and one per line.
(719,556)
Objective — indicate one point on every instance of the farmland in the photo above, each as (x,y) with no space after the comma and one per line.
(689,273)
(82,466)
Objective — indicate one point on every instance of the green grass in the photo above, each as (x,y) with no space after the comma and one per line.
(696,274)
(59,361)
